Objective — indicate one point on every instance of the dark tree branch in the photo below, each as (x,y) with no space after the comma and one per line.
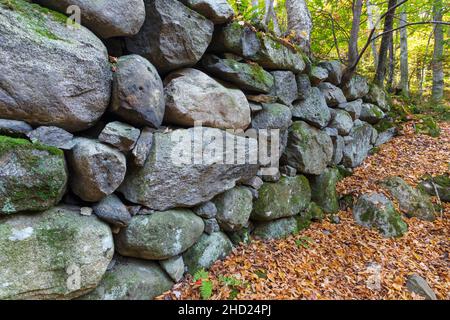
(348,73)
(411,24)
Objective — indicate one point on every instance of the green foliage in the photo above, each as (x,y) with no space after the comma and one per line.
(428,126)
(206,289)
(201,274)
(206,285)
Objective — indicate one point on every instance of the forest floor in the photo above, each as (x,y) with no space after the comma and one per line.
(345,260)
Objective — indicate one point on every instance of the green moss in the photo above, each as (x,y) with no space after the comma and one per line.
(47,172)
(8,143)
(35,17)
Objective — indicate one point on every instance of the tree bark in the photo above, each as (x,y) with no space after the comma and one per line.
(404,72)
(438,54)
(385,41)
(300,23)
(391,73)
(353,42)
(371,22)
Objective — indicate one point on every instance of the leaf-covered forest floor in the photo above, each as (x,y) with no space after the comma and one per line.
(344,261)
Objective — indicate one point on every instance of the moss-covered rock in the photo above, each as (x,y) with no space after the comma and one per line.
(56,254)
(161,235)
(324,192)
(33,177)
(131,279)
(371,113)
(315,212)
(285,198)
(378,96)
(276,229)
(267,51)
(413,202)
(246,76)
(207,250)
(376,211)
(234,208)
(68,76)
(309,150)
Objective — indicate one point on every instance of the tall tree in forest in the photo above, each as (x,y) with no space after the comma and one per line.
(404,72)
(300,23)
(391,66)
(385,42)
(371,22)
(438,54)
(354,33)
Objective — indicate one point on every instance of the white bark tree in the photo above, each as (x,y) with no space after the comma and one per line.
(300,23)
(438,54)
(371,21)
(404,72)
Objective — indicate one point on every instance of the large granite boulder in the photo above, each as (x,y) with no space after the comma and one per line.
(357,144)
(413,202)
(96,170)
(371,113)
(335,71)
(33,177)
(267,51)
(333,95)
(313,109)
(234,208)
(192,96)
(138,93)
(353,108)
(356,88)
(318,75)
(172,37)
(218,11)
(50,74)
(342,121)
(285,86)
(207,250)
(112,18)
(285,198)
(159,236)
(323,190)
(170,178)
(56,254)
(376,211)
(131,279)
(276,229)
(303,85)
(309,150)
(250,77)
(273,116)
(378,96)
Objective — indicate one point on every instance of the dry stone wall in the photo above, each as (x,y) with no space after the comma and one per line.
(98,199)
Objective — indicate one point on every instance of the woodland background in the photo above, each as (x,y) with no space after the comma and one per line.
(414,54)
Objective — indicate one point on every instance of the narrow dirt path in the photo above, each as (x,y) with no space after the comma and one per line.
(346,261)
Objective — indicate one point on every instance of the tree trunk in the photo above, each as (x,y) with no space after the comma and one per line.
(438,54)
(300,23)
(391,73)
(354,33)
(371,22)
(404,72)
(385,42)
